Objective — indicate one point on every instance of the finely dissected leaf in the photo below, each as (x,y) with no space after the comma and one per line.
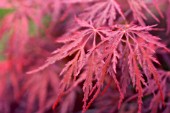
(103,47)
(137,7)
(104,55)
(109,9)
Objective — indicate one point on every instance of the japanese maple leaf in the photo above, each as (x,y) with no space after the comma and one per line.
(109,9)
(77,43)
(139,54)
(96,52)
(137,7)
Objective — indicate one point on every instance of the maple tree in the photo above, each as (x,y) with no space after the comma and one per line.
(102,56)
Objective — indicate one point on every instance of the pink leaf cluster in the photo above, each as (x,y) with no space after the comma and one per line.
(103,56)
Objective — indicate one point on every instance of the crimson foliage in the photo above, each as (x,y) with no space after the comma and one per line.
(103,56)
